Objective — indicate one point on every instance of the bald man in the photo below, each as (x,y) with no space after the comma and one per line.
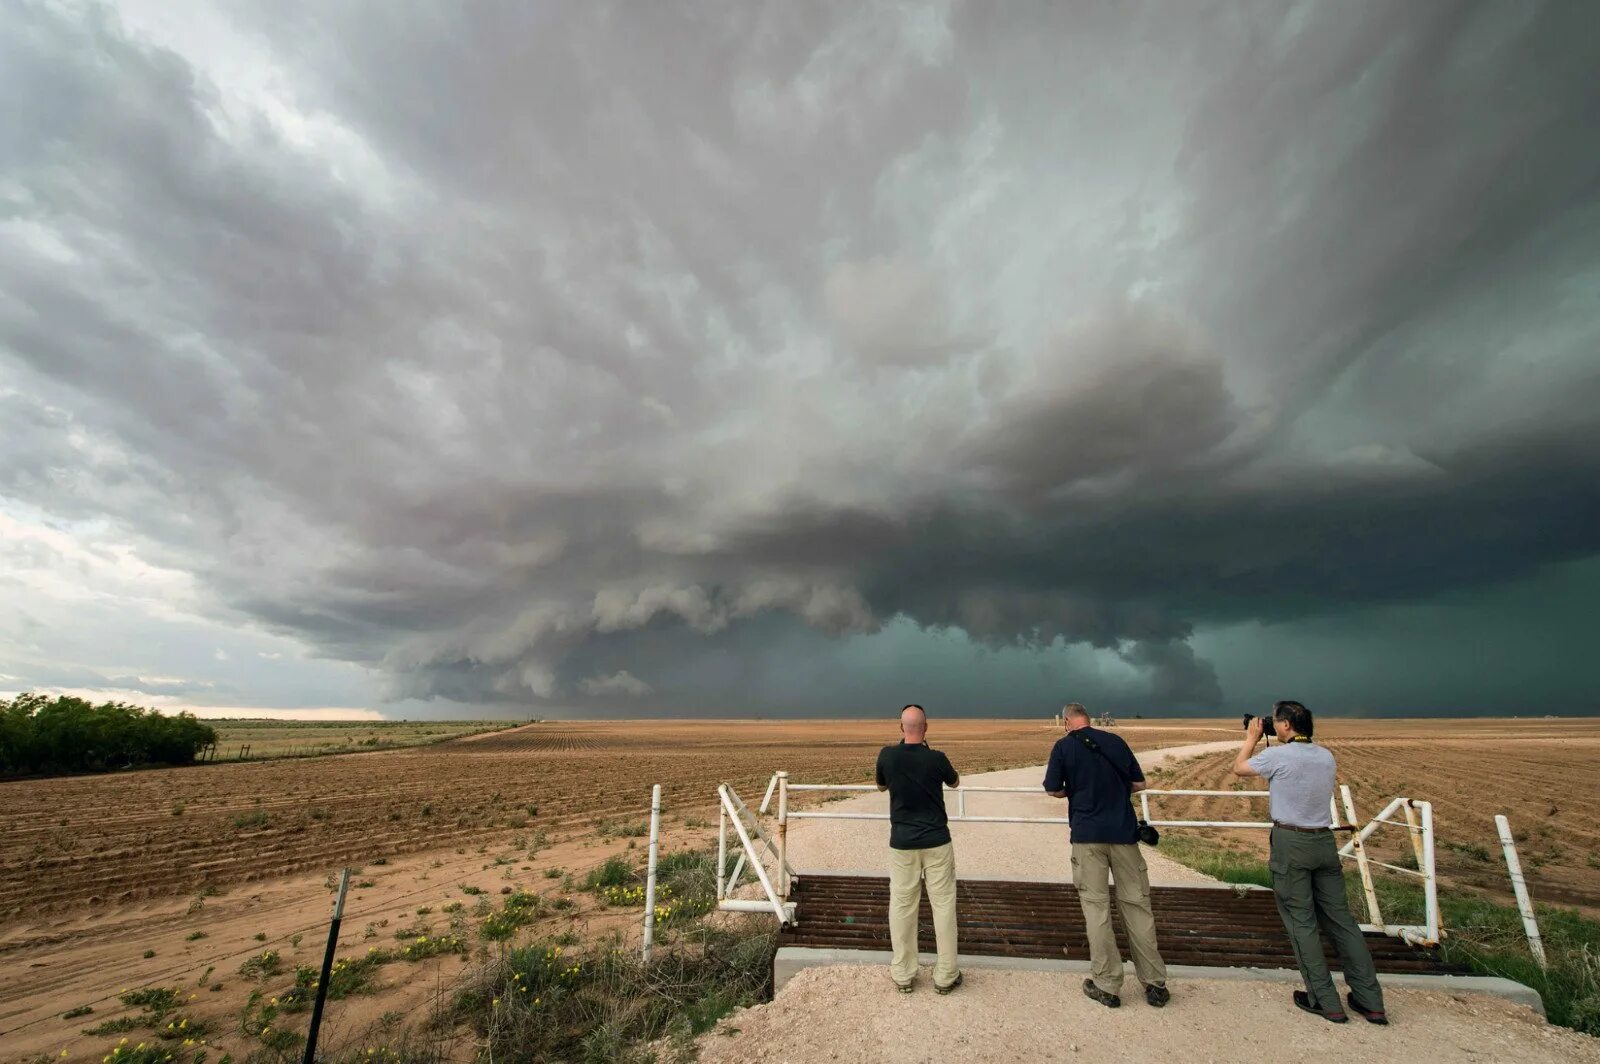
(919,850)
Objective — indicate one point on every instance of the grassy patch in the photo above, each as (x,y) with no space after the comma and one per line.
(546,1002)
(617,871)
(1480,934)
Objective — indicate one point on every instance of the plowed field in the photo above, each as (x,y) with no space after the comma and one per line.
(121,837)
(1542,774)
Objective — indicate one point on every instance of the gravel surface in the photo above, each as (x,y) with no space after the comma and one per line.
(853,1014)
(983,851)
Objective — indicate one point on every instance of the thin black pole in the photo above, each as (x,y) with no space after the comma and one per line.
(327,969)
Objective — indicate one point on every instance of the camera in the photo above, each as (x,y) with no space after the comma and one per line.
(1266,725)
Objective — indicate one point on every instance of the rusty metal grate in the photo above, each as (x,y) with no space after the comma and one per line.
(1196,925)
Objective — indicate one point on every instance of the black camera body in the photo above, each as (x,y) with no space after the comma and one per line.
(1267,731)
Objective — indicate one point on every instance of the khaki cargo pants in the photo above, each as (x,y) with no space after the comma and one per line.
(1093,865)
(908,869)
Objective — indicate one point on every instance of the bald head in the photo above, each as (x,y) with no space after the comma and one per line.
(913,723)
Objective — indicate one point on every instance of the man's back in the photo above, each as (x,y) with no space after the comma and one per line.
(1097,793)
(1301,777)
(915,776)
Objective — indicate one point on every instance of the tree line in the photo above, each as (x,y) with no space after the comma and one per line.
(39,734)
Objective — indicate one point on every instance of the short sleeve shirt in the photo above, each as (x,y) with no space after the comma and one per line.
(916,777)
(1098,806)
(1300,777)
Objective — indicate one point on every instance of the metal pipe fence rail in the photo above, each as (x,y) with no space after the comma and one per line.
(1419,824)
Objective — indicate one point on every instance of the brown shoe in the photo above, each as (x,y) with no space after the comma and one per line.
(937,989)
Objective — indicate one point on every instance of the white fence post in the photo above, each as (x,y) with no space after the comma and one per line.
(1415,832)
(722,851)
(1519,885)
(783,835)
(1367,887)
(650,873)
(1430,882)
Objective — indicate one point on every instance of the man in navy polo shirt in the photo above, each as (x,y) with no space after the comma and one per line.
(1097,774)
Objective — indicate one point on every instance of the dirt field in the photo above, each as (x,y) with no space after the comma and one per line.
(151,878)
(1544,775)
(114,839)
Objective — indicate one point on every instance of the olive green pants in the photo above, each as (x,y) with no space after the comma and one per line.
(908,870)
(1094,865)
(1309,885)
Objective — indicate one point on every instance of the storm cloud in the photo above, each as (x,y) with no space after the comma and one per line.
(605,357)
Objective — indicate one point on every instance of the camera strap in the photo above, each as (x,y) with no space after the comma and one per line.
(1147,834)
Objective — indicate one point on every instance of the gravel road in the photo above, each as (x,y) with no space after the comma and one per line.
(983,851)
(853,1014)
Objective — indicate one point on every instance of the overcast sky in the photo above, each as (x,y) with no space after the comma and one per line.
(609,358)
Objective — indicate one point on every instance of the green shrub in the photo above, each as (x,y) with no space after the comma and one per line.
(617,871)
(39,734)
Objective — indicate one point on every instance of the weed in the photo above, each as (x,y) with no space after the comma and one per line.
(469,889)
(533,810)
(544,1002)
(622,828)
(520,909)
(149,953)
(177,808)
(294,941)
(696,822)
(452,907)
(364,884)
(381,861)
(1469,849)
(261,936)
(81,1010)
(256,818)
(194,936)
(203,979)
(427,810)
(617,871)
(262,966)
(555,873)
(423,947)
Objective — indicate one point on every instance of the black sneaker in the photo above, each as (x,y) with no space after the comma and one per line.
(1157,995)
(937,989)
(1370,1015)
(1094,993)
(1302,1001)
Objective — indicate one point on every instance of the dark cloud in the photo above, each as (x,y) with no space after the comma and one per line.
(602,355)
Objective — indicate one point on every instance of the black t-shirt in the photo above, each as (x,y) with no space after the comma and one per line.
(1098,808)
(915,776)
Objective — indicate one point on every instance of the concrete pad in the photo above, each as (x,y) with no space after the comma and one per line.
(791,960)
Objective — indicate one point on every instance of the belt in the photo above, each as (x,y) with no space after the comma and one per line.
(1303,831)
